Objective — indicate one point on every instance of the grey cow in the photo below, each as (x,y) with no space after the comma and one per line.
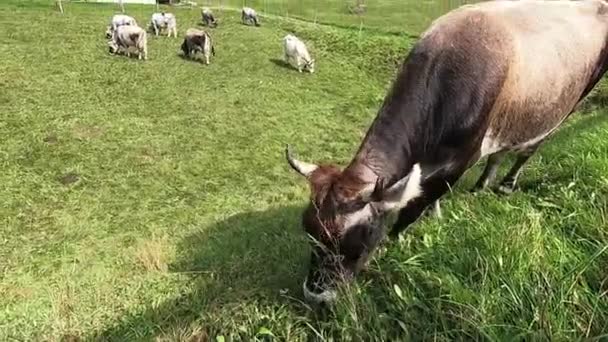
(208,18)
(248,16)
(198,41)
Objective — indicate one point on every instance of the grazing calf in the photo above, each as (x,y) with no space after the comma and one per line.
(297,53)
(198,41)
(483,80)
(248,16)
(166,21)
(119,20)
(129,37)
(208,18)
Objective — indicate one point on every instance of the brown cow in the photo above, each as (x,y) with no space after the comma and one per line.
(483,80)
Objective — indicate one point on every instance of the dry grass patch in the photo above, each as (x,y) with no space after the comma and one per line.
(154,255)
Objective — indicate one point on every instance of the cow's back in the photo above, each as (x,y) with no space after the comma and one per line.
(557,49)
(552,48)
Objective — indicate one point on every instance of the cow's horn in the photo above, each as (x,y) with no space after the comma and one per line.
(373,191)
(303,168)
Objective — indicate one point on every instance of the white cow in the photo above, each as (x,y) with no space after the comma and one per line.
(164,21)
(248,15)
(297,54)
(128,37)
(119,20)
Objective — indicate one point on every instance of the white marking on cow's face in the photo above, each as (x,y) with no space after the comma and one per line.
(364,215)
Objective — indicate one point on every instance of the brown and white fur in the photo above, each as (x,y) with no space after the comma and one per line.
(208,18)
(160,21)
(119,20)
(483,80)
(126,38)
(198,41)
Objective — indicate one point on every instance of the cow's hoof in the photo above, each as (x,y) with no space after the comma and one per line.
(505,190)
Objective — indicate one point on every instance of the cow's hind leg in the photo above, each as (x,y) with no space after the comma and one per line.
(508,184)
(489,173)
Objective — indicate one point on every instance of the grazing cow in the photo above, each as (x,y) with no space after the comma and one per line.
(483,80)
(166,21)
(208,18)
(119,20)
(198,41)
(129,37)
(248,16)
(296,52)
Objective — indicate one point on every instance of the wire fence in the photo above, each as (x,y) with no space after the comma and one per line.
(390,16)
(387,16)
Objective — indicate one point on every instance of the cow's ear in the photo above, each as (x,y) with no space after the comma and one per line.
(398,195)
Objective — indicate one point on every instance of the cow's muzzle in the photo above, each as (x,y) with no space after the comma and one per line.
(328,296)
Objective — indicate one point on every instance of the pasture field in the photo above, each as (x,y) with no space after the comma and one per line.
(150,201)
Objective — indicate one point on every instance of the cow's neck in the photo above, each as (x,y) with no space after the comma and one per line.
(393,143)
(385,152)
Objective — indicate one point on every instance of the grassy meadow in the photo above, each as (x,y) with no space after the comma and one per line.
(150,201)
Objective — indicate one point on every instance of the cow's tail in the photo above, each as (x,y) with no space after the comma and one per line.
(185,48)
(142,43)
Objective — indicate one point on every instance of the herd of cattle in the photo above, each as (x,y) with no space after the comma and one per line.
(484,80)
(125,35)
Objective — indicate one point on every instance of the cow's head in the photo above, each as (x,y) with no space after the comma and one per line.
(310,66)
(345,219)
(112,46)
(109,32)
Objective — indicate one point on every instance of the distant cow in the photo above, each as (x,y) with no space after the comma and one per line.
(296,52)
(119,20)
(208,18)
(164,20)
(248,16)
(198,41)
(126,38)
(483,80)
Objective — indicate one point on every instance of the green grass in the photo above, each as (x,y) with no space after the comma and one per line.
(150,200)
